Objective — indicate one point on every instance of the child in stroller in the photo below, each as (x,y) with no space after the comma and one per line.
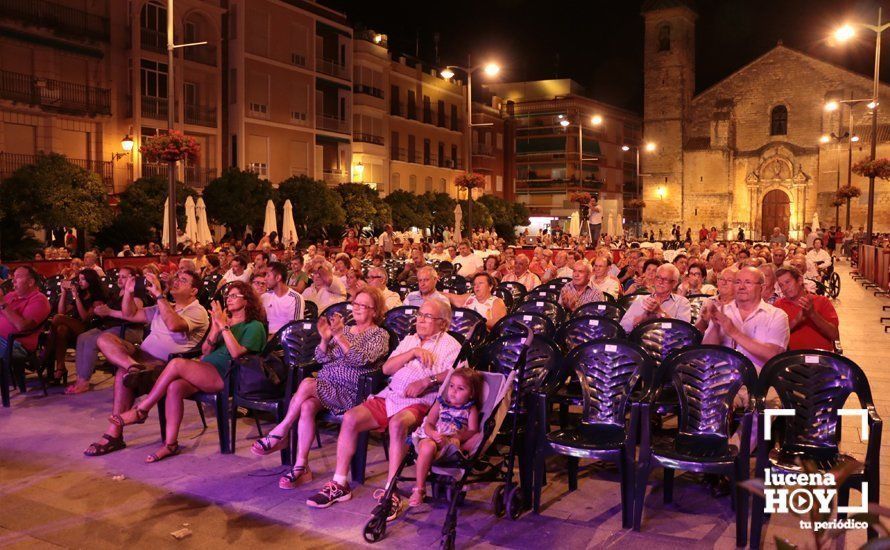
(451,426)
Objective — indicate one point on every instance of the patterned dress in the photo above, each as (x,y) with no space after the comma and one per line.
(338,379)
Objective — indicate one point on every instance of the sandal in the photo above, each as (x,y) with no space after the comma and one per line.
(111,444)
(77,388)
(133,375)
(417,496)
(139,417)
(172,449)
(265,446)
(297,476)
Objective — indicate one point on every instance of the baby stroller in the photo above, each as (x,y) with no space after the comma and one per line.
(453,473)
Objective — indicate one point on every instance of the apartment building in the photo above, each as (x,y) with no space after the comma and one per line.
(290,89)
(489,154)
(567,142)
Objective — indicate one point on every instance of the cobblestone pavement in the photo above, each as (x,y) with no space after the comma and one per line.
(50,495)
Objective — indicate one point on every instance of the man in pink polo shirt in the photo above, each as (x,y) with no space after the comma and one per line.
(21,310)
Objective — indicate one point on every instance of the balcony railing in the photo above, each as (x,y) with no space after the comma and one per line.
(417,157)
(55,95)
(334,175)
(205,53)
(63,20)
(153,40)
(200,115)
(10,162)
(483,149)
(368,138)
(154,107)
(331,123)
(194,176)
(557,184)
(332,67)
(367,90)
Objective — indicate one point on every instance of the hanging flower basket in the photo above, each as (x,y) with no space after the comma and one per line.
(849,192)
(170,147)
(838,201)
(878,168)
(580,197)
(470,181)
(636,203)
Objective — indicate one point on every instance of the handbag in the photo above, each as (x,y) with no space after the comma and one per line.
(261,377)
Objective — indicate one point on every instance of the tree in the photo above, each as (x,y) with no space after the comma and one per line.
(316,206)
(238,199)
(364,206)
(408,210)
(141,217)
(481,215)
(441,209)
(53,192)
(505,216)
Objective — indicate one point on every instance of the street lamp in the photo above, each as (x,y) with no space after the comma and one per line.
(843,34)
(649,147)
(490,69)
(126,145)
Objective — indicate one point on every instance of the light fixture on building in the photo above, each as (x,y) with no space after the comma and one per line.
(127,145)
(832,106)
(359,171)
(661,192)
(872,104)
(824,139)
(378,38)
(625,148)
(564,122)
(447,73)
(854,139)
(596,120)
(650,147)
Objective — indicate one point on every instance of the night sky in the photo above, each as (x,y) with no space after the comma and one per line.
(599,43)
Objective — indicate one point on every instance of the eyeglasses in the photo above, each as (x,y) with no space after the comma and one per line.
(739,282)
(357,305)
(427,316)
(664,280)
(375,277)
(233,296)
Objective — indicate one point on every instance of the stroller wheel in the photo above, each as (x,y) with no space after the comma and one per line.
(375,529)
(497,501)
(514,503)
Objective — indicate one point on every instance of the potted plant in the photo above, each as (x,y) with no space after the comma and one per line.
(846,194)
(171,146)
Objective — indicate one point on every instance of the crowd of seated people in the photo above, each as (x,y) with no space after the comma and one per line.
(756,300)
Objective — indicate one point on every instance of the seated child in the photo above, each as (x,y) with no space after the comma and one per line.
(451,423)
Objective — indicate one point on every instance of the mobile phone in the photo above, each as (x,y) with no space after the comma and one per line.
(139,287)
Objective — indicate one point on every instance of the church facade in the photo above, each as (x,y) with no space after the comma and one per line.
(748,152)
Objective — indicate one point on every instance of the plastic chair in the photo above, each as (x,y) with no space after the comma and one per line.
(706,380)
(400,320)
(587,328)
(514,288)
(514,324)
(469,324)
(816,384)
(547,308)
(603,310)
(625,301)
(343,308)
(607,372)
(696,301)
(540,293)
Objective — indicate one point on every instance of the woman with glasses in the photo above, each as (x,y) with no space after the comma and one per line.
(482,301)
(694,283)
(345,353)
(236,330)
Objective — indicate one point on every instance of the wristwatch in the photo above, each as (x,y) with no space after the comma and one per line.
(433,380)
(226,327)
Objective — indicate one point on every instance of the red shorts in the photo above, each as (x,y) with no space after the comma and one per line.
(377,407)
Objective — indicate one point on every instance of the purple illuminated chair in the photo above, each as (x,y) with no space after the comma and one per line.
(604,310)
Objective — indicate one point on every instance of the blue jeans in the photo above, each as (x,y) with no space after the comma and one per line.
(18,351)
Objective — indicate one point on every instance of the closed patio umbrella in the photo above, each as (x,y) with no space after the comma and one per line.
(271,222)
(165,233)
(575,224)
(288,227)
(204,235)
(191,221)
(458,217)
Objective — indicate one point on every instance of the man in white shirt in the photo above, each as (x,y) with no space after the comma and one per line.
(756,329)
(817,258)
(238,272)
(426,285)
(377,278)
(283,304)
(470,264)
(663,303)
(521,274)
(325,289)
(595,218)
(561,263)
(439,253)
(386,241)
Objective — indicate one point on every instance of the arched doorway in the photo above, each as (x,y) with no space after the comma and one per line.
(776,213)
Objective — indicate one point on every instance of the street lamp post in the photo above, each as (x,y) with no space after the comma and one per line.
(491,69)
(837,153)
(650,147)
(843,34)
(853,138)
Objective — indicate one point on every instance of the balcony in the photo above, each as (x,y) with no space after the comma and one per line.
(417,157)
(368,90)
(334,176)
(205,54)
(10,162)
(154,107)
(200,115)
(483,150)
(153,40)
(555,185)
(331,123)
(196,177)
(62,20)
(368,138)
(55,95)
(331,67)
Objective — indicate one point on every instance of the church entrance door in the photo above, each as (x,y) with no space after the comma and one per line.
(776,213)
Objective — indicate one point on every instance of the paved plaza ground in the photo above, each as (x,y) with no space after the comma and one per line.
(51,495)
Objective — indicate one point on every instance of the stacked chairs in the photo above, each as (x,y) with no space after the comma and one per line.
(816,384)
(515,289)
(696,301)
(547,308)
(706,380)
(469,324)
(400,320)
(455,283)
(540,293)
(608,371)
(344,309)
(580,330)
(603,310)
(514,324)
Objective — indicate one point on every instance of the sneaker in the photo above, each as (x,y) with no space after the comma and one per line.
(395,505)
(296,477)
(331,492)
(417,496)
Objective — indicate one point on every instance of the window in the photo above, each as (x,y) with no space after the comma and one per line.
(453,157)
(411,152)
(427,184)
(394,101)
(426,152)
(154,78)
(440,111)
(395,181)
(443,185)
(427,110)
(154,18)
(664,38)
(441,154)
(394,146)
(778,121)
(412,183)
(412,105)
(454,121)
